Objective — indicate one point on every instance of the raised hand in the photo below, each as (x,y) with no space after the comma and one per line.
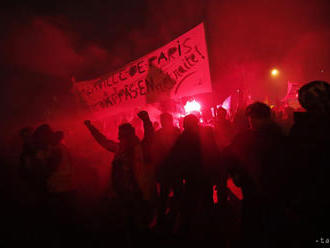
(143,115)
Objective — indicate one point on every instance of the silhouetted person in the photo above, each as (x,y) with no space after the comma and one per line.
(210,159)
(240,121)
(61,191)
(127,167)
(45,161)
(165,137)
(187,177)
(310,141)
(148,135)
(147,179)
(46,157)
(256,165)
(124,179)
(60,180)
(223,129)
(209,220)
(288,118)
(163,142)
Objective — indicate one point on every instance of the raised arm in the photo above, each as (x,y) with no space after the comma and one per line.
(147,126)
(148,136)
(101,139)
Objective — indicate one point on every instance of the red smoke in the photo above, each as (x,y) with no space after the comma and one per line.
(43,47)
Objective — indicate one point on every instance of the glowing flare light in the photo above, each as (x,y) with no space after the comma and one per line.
(192,106)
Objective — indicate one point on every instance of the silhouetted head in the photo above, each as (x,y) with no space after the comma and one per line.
(127,136)
(259,114)
(26,133)
(221,113)
(190,123)
(315,97)
(258,110)
(43,135)
(126,132)
(166,120)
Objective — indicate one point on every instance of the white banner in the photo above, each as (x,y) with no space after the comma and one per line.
(178,69)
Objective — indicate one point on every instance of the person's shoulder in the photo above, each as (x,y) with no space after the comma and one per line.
(242,138)
(277,129)
(176,131)
(163,131)
(158,133)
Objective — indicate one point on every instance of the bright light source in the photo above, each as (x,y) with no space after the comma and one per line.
(226,103)
(192,106)
(274,72)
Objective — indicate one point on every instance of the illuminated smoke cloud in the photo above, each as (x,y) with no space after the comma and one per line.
(41,46)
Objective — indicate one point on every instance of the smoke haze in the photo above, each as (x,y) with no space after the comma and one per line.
(44,44)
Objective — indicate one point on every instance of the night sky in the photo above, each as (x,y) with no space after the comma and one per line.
(45,43)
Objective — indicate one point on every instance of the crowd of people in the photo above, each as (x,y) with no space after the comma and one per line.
(171,187)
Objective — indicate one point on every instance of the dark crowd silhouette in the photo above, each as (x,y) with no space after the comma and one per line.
(170,188)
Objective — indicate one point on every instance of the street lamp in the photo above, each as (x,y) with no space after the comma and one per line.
(274,72)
